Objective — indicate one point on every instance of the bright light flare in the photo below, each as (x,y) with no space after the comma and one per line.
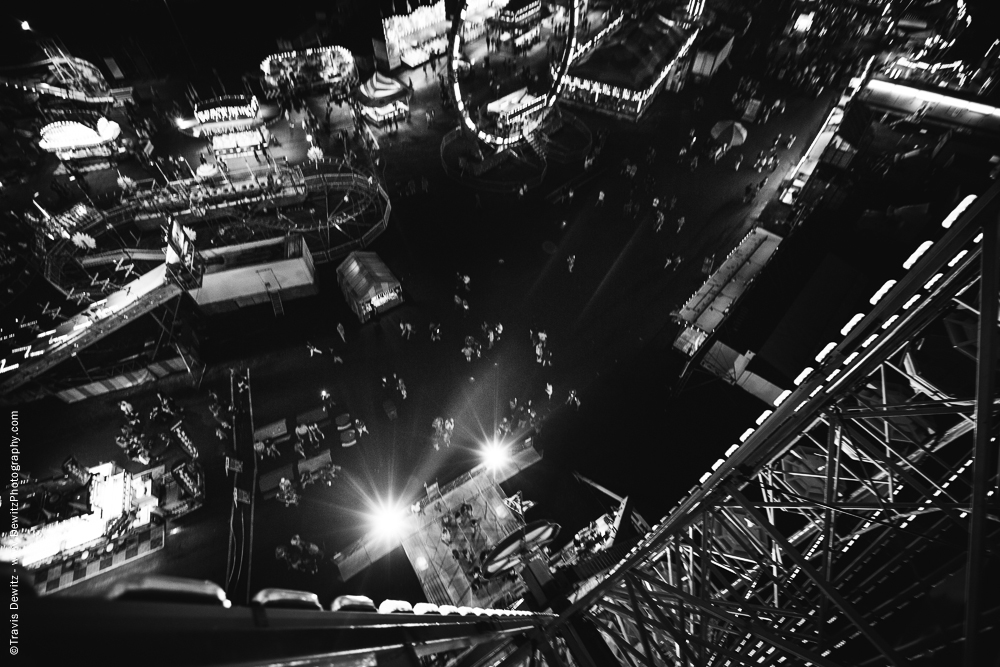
(25,26)
(495,455)
(388,520)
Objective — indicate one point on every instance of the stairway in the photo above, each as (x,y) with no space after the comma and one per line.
(591,566)
(279,307)
(537,146)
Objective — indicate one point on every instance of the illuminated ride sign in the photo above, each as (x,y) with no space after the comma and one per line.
(180,246)
(455,57)
(230,107)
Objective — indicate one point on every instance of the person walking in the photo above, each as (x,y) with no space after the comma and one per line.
(600,198)
(570,262)
(340,330)
(573,399)
(548,390)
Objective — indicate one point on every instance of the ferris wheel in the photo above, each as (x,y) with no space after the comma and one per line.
(454,58)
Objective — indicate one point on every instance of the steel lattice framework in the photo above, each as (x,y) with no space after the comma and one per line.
(828,531)
(830,536)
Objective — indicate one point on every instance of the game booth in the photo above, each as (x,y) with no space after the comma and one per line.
(517,26)
(326,68)
(410,39)
(383,99)
(233,124)
(82,142)
(518,113)
(623,74)
(368,285)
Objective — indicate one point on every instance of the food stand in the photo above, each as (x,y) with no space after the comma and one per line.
(411,39)
(517,26)
(100,506)
(517,113)
(233,124)
(383,99)
(368,285)
(242,141)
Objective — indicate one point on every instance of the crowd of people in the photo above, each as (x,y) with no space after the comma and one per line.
(300,555)
(145,441)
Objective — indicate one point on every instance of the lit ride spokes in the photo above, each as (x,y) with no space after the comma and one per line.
(455,57)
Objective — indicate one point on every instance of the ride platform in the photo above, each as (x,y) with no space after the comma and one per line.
(473,510)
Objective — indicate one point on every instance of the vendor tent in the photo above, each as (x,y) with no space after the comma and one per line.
(368,284)
(381,90)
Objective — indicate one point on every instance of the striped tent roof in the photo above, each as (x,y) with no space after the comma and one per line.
(380,90)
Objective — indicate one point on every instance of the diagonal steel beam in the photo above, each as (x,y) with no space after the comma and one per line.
(643,635)
(665,624)
(986,370)
(828,589)
(619,610)
(862,440)
(760,631)
(964,407)
(628,651)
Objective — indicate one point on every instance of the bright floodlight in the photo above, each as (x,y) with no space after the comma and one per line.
(495,455)
(25,25)
(387,521)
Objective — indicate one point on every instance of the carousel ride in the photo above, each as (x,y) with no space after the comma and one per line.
(513,133)
(323,69)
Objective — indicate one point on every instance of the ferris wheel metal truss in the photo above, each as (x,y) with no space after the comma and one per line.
(827,535)
(454,55)
(857,498)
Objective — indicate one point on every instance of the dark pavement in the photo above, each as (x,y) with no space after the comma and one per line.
(608,325)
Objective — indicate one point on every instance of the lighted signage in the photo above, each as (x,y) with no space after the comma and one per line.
(804,22)
(234,107)
(180,248)
(383,298)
